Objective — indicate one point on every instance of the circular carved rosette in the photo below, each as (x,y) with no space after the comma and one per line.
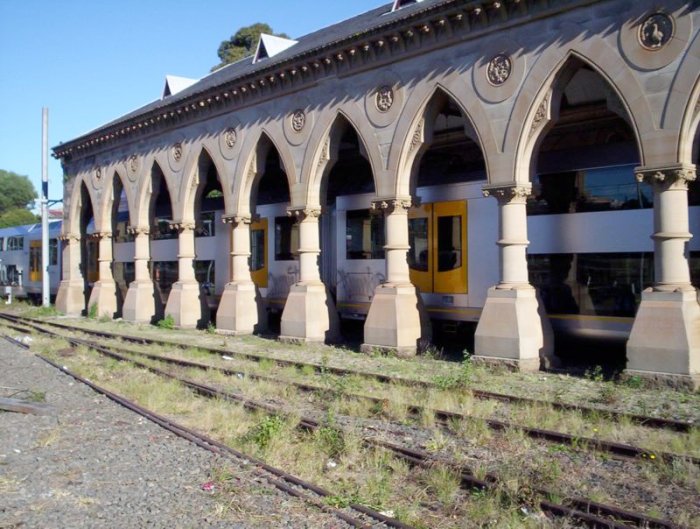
(656,31)
(298,120)
(384,99)
(133,164)
(230,139)
(499,69)
(176,155)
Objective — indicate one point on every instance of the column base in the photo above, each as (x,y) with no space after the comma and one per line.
(513,330)
(239,312)
(140,304)
(70,299)
(309,315)
(664,344)
(104,298)
(187,305)
(393,323)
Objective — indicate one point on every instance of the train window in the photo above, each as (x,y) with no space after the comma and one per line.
(695,269)
(604,284)
(206,225)
(257,249)
(449,238)
(15,243)
(418,254)
(694,192)
(364,235)
(2,243)
(204,273)
(53,252)
(601,189)
(286,239)
(162,229)
(124,274)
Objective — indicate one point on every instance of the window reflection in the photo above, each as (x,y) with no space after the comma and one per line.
(364,235)
(418,254)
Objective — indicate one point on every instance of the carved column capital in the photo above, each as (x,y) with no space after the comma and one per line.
(67,237)
(101,235)
(301,214)
(235,220)
(138,230)
(510,193)
(389,205)
(182,226)
(672,176)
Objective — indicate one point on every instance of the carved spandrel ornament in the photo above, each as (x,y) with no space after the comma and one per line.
(177,151)
(656,31)
(298,120)
(499,69)
(98,174)
(384,99)
(418,137)
(540,116)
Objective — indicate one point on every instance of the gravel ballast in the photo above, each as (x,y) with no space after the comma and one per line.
(89,463)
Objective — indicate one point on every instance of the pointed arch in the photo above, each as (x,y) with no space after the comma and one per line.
(76,202)
(533,116)
(140,214)
(416,133)
(190,187)
(326,140)
(252,169)
(108,198)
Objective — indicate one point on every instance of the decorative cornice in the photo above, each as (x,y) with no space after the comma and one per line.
(420,31)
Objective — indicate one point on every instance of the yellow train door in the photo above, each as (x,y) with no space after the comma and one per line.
(34,261)
(258,252)
(438,247)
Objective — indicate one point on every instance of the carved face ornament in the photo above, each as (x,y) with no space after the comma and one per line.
(298,120)
(499,69)
(384,98)
(656,31)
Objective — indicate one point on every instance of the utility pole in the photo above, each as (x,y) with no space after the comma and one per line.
(45,292)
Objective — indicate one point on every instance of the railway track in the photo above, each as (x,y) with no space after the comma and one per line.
(444,417)
(647,421)
(591,514)
(364,518)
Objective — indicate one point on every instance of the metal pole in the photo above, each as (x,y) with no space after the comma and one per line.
(45,293)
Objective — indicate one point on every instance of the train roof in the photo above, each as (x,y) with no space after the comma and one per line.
(29,229)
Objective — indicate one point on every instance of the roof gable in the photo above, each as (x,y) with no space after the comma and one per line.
(269,46)
(175,84)
(398,4)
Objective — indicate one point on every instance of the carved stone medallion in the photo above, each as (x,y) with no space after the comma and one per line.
(298,120)
(499,69)
(230,137)
(98,174)
(656,31)
(384,98)
(177,151)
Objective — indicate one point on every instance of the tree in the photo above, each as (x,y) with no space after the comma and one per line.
(18,195)
(243,43)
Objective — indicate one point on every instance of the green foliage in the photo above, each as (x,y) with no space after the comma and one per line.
(17,217)
(92,311)
(459,378)
(330,437)
(167,323)
(595,374)
(211,328)
(17,191)
(243,43)
(266,430)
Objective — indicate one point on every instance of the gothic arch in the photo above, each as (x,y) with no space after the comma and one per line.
(76,202)
(415,130)
(191,180)
(108,198)
(140,215)
(326,137)
(536,115)
(254,154)
(685,112)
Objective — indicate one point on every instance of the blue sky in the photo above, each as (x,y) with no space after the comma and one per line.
(90,61)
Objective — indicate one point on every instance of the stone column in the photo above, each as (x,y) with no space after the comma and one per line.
(139,305)
(238,311)
(665,338)
(70,297)
(394,319)
(185,302)
(104,294)
(309,313)
(513,328)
